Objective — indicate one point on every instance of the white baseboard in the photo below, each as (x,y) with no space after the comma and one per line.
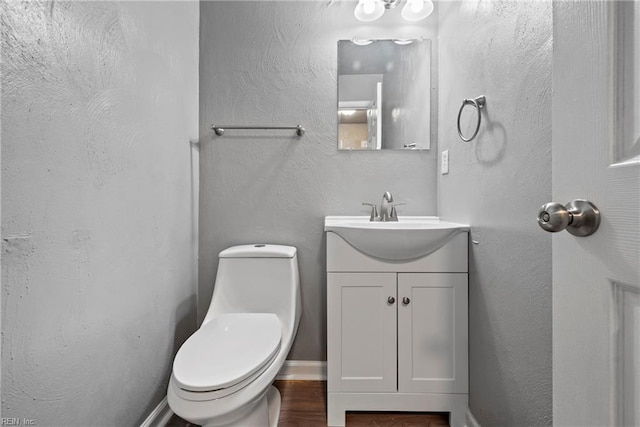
(306,370)
(470,419)
(160,416)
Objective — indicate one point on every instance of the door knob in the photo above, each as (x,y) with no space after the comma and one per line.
(579,217)
(405,300)
(391,300)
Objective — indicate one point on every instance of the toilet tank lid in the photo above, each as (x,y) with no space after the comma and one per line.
(259,250)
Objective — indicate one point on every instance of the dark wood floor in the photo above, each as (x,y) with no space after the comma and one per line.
(304,405)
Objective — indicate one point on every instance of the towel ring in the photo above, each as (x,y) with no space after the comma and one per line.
(479,103)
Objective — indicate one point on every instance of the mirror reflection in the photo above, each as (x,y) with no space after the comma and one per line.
(384,94)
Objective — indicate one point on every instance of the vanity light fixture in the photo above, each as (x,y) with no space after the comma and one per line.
(413,10)
(361,42)
(369,10)
(416,10)
(404,42)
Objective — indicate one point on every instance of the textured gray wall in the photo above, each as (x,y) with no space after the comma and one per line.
(99,102)
(276,63)
(496,183)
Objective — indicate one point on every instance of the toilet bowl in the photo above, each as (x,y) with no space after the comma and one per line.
(223,374)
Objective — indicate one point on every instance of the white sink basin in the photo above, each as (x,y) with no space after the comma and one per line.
(410,238)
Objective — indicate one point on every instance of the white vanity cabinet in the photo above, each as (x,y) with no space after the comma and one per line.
(362,332)
(397,332)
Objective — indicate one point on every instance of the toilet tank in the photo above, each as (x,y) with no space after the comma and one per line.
(257,279)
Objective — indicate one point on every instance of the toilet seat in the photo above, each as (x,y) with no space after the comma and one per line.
(226,354)
(200,396)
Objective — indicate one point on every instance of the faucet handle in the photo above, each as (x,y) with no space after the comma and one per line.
(394,216)
(374,211)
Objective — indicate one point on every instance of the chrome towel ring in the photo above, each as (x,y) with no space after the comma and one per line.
(479,103)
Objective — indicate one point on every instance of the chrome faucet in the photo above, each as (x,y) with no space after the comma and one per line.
(387,209)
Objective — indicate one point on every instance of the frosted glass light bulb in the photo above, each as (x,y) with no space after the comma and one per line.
(369,10)
(416,10)
(369,7)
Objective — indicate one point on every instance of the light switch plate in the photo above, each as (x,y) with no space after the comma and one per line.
(444,168)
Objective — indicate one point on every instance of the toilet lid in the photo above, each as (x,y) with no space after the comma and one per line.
(227,350)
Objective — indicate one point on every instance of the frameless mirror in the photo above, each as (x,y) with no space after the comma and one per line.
(384,97)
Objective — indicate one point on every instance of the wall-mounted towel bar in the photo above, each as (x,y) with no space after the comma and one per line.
(219,130)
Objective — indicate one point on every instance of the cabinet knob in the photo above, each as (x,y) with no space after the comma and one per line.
(406,300)
(391,300)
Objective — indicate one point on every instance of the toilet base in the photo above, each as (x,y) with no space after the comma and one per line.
(274,402)
(265,413)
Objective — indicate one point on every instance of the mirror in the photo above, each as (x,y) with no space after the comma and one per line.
(384,97)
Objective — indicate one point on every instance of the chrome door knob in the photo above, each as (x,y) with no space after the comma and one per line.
(391,300)
(579,217)
(553,217)
(406,301)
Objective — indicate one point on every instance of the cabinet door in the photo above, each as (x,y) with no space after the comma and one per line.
(361,332)
(433,333)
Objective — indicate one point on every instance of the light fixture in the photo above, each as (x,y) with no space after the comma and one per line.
(369,10)
(413,10)
(403,42)
(361,42)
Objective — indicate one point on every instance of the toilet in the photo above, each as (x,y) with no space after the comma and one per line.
(223,374)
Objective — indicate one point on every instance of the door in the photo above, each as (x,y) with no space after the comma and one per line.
(596,279)
(432,333)
(361,322)
(378,113)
